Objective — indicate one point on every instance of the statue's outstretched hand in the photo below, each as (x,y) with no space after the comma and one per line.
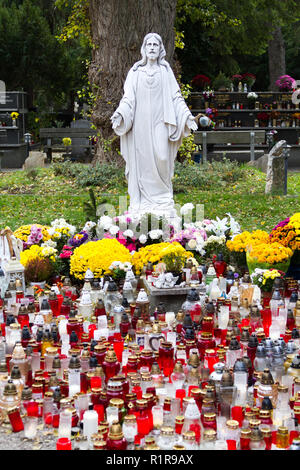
(116,120)
(191,123)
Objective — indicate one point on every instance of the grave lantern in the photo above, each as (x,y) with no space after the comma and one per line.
(14,270)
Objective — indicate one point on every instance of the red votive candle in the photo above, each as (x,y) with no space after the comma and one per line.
(63,443)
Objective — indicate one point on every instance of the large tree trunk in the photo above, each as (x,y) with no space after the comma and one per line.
(118,28)
(276,53)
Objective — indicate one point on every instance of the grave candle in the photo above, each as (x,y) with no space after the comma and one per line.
(90,423)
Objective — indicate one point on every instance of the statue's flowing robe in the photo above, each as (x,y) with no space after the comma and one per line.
(154,122)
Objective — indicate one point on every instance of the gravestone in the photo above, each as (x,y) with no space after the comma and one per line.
(78,143)
(261,163)
(35,160)
(276,169)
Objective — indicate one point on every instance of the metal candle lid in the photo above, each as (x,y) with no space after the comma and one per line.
(115,432)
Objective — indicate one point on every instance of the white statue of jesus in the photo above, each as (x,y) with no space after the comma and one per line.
(152,119)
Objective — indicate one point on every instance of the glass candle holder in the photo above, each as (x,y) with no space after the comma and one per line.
(65,424)
(129,428)
(63,443)
(15,419)
(112,414)
(223,317)
(90,423)
(158,416)
(32,409)
(30,427)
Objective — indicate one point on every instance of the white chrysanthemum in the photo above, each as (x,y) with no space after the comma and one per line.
(192,244)
(88,226)
(186,208)
(128,233)
(49,243)
(142,239)
(116,265)
(155,234)
(105,222)
(113,230)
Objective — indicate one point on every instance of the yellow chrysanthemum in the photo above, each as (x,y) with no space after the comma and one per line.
(156,252)
(98,257)
(244,240)
(23,232)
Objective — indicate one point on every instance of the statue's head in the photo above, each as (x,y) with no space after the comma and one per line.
(153,48)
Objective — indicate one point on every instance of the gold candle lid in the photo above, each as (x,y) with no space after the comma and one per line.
(266,432)
(118,402)
(189,436)
(232,424)
(209,434)
(245,432)
(282,430)
(179,419)
(111,355)
(178,447)
(167,431)
(115,432)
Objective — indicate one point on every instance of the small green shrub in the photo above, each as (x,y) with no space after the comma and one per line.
(210,175)
(102,175)
(67,168)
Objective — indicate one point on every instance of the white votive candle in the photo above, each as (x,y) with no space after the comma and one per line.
(90,423)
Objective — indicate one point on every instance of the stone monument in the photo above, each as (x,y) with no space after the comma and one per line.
(276,171)
(151,120)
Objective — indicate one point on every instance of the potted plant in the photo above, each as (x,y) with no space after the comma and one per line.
(263,119)
(221,82)
(252,97)
(249,79)
(286,83)
(200,82)
(67,142)
(38,271)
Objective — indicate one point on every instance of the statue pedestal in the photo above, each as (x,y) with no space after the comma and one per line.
(173,298)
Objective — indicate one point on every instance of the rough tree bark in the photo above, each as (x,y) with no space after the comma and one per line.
(276,55)
(118,28)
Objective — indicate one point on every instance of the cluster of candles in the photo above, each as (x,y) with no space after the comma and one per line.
(104,372)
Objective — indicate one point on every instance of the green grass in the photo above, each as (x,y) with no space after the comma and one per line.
(41,199)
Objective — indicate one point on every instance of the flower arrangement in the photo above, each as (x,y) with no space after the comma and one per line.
(98,257)
(201,81)
(266,255)
(134,231)
(252,95)
(263,116)
(67,141)
(78,239)
(27,231)
(248,78)
(14,115)
(286,83)
(208,94)
(118,270)
(38,262)
(243,240)
(236,79)
(155,254)
(287,232)
(264,278)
